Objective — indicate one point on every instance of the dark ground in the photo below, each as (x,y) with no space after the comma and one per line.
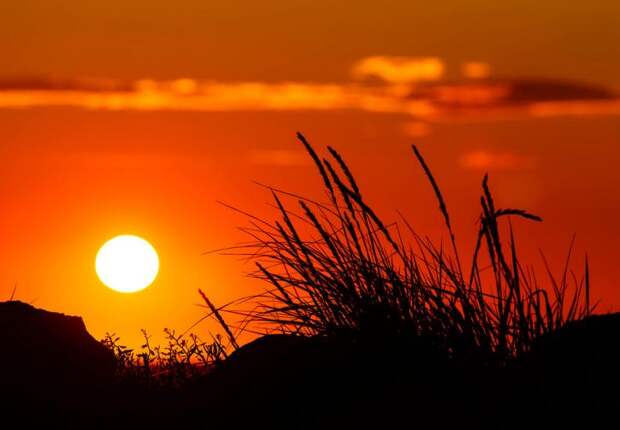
(52,369)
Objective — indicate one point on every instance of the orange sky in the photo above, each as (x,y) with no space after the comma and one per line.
(135,118)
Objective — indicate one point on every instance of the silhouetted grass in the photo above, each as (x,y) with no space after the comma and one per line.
(337,268)
(181,360)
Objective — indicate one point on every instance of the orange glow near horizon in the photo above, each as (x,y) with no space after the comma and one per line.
(165,172)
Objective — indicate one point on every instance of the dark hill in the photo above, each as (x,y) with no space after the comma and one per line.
(344,383)
(571,375)
(51,366)
(48,358)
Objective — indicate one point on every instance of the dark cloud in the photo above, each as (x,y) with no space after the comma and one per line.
(57,84)
(504,92)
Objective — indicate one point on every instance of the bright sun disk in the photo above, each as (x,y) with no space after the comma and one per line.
(127,264)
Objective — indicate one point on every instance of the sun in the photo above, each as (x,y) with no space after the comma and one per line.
(127,264)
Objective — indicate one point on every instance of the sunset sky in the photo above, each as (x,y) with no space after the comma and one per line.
(139,116)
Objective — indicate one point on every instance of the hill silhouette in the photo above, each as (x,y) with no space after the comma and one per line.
(48,359)
(51,365)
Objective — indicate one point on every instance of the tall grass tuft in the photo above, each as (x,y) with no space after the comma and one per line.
(336,268)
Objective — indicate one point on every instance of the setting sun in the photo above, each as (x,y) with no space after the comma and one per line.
(127,264)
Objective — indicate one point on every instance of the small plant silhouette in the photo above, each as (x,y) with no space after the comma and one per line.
(181,360)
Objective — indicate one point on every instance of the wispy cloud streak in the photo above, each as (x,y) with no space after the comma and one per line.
(409,86)
(486,160)
(400,70)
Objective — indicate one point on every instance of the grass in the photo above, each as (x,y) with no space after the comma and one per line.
(335,268)
(183,359)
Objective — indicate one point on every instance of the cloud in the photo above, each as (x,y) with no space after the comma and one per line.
(536,90)
(409,86)
(503,92)
(400,70)
(192,95)
(505,99)
(485,160)
(196,95)
(575,108)
(476,70)
(56,84)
